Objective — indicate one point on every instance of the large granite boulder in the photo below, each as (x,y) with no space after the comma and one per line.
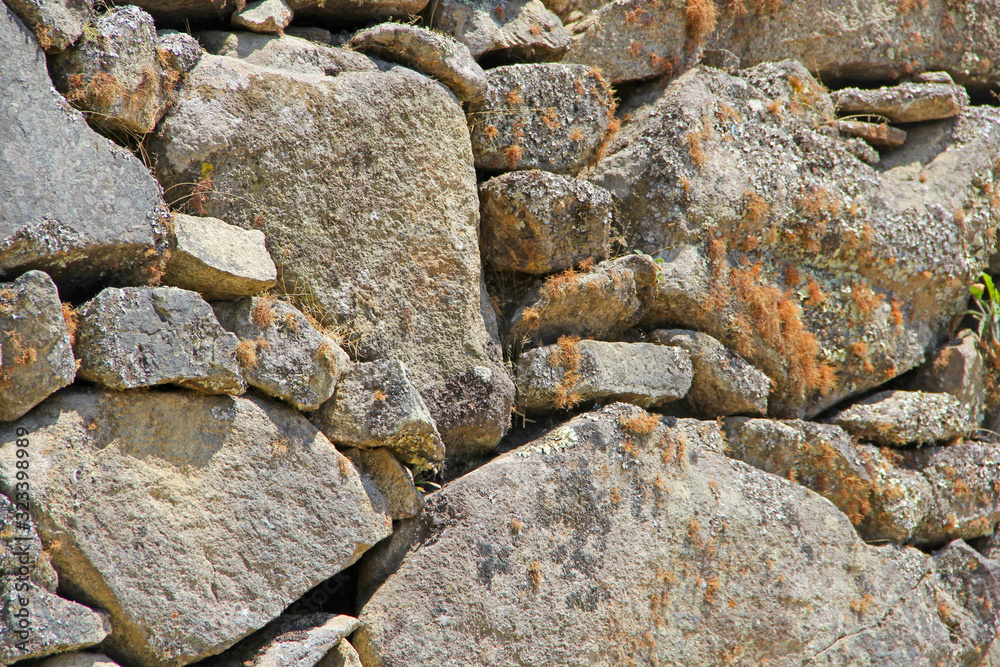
(193,520)
(393,258)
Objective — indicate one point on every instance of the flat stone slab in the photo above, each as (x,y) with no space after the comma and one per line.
(286,52)
(581,371)
(879,135)
(147,336)
(900,418)
(905,103)
(436,55)
(193,520)
(36,353)
(523,28)
(291,640)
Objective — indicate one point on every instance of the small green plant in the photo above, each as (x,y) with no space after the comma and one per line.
(986,311)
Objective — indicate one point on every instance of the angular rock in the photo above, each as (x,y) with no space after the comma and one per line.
(35,623)
(660,549)
(37,357)
(80,660)
(582,371)
(116,73)
(723,384)
(57,24)
(432,53)
(355,11)
(600,304)
(173,13)
(875,134)
(146,336)
(878,41)
(630,40)
(523,29)
(899,418)
(956,369)
(829,276)
(263,16)
(541,116)
(218,260)
(341,655)
(172,511)
(538,222)
(393,481)
(285,52)
(101,219)
(291,640)
(414,296)
(375,405)
(281,353)
(905,103)
(181,47)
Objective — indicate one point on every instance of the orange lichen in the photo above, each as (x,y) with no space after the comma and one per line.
(701,18)
(642,423)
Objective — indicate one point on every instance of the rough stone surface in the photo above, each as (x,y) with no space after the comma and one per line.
(829,276)
(102,219)
(55,625)
(37,355)
(571,372)
(414,295)
(541,116)
(355,11)
(218,260)
(879,41)
(630,40)
(538,222)
(957,369)
(290,640)
(723,383)
(341,655)
(264,16)
(900,418)
(600,304)
(80,660)
(285,52)
(376,405)
(116,73)
(172,13)
(432,53)
(661,549)
(875,134)
(172,512)
(905,103)
(56,23)
(281,352)
(146,336)
(523,29)
(393,481)
(181,47)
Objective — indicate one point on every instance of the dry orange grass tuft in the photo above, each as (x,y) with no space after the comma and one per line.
(641,423)
(701,18)
(567,357)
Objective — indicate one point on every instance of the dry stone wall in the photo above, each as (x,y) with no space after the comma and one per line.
(379,333)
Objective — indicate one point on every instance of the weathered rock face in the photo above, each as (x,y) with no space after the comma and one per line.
(171,511)
(657,548)
(80,660)
(723,384)
(56,23)
(281,353)
(356,10)
(181,48)
(146,336)
(285,52)
(101,218)
(290,640)
(524,29)
(37,355)
(825,274)
(541,116)
(582,371)
(901,418)
(630,40)
(956,369)
(393,481)
(218,260)
(432,53)
(537,222)
(873,41)
(264,16)
(341,655)
(117,74)
(376,405)
(414,296)
(600,304)
(905,103)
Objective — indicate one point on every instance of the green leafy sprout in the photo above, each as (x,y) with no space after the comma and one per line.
(986,312)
